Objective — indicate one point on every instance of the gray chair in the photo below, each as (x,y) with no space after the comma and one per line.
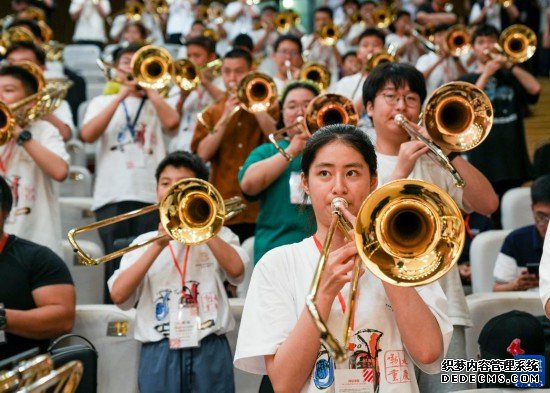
(516,208)
(78,183)
(88,280)
(483,255)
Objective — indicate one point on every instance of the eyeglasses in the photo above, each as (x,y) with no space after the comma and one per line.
(410,100)
(542,219)
(296,107)
(291,53)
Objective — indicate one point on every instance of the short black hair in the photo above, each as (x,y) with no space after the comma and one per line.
(348,54)
(400,74)
(484,31)
(326,10)
(287,37)
(540,190)
(243,41)
(30,84)
(345,133)
(371,2)
(132,48)
(270,7)
(38,52)
(5,194)
(373,32)
(183,159)
(30,24)
(144,31)
(204,42)
(238,53)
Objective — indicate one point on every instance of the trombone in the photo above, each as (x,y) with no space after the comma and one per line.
(316,73)
(192,212)
(323,110)
(329,34)
(187,74)
(408,233)
(286,20)
(383,17)
(458,40)
(458,116)
(517,42)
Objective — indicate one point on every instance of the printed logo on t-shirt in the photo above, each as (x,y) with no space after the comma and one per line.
(323,372)
(365,346)
(125,138)
(396,367)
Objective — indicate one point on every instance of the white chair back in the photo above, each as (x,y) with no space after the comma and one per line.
(88,280)
(78,183)
(75,212)
(516,208)
(80,56)
(484,306)
(483,255)
(76,151)
(118,359)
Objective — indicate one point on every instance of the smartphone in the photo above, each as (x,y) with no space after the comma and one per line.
(533,268)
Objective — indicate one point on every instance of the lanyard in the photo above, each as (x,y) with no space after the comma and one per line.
(3,242)
(183,270)
(6,157)
(340,296)
(132,124)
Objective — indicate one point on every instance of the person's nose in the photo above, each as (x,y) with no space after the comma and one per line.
(339,186)
(400,104)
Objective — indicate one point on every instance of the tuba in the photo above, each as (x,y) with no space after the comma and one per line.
(318,74)
(458,116)
(323,110)
(192,212)
(408,233)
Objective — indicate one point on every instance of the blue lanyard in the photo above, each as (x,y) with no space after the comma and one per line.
(132,124)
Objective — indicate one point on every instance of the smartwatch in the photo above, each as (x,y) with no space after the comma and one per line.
(24,137)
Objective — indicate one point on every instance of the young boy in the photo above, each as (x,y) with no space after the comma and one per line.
(167,279)
(397,88)
(287,56)
(128,126)
(31,162)
(510,88)
(226,140)
(61,118)
(523,246)
(89,17)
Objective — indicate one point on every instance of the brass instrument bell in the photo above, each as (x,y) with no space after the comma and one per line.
(458,40)
(286,20)
(318,74)
(152,67)
(329,34)
(328,109)
(518,42)
(383,17)
(256,92)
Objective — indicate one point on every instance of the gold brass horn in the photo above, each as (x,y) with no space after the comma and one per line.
(187,74)
(383,17)
(35,71)
(132,11)
(13,35)
(152,67)
(317,73)
(458,116)
(192,212)
(286,20)
(322,111)
(458,40)
(518,43)
(257,92)
(329,34)
(408,233)
(379,58)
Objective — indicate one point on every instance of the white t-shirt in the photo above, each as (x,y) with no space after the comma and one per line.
(492,17)
(276,298)
(125,166)
(90,25)
(324,55)
(445,72)
(350,86)
(427,170)
(33,189)
(506,269)
(148,21)
(180,18)
(243,23)
(355,31)
(410,55)
(161,288)
(544,271)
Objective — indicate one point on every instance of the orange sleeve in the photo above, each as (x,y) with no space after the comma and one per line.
(201,131)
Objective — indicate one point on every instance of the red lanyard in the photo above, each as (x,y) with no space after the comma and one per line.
(340,296)
(183,270)
(3,242)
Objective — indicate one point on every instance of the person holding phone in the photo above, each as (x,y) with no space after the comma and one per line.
(516,268)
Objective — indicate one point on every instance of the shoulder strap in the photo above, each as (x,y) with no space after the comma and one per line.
(67,336)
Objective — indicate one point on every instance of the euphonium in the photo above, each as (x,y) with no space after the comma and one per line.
(322,111)
(192,212)
(517,42)
(408,233)
(458,40)
(458,116)
(329,34)
(317,73)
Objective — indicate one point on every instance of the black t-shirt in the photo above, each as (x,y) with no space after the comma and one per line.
(503,155)
(24,267)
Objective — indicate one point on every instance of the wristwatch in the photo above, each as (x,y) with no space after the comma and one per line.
(24,137)
(452,155)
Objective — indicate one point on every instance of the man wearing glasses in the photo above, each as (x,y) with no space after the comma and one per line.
(516,268)
(287,55)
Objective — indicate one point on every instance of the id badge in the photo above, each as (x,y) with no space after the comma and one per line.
(135,157)
(184,326)
(353,381)
(297,193)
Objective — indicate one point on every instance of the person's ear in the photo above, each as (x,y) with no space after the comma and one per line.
(369,108)
(305,184)
(373,182)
